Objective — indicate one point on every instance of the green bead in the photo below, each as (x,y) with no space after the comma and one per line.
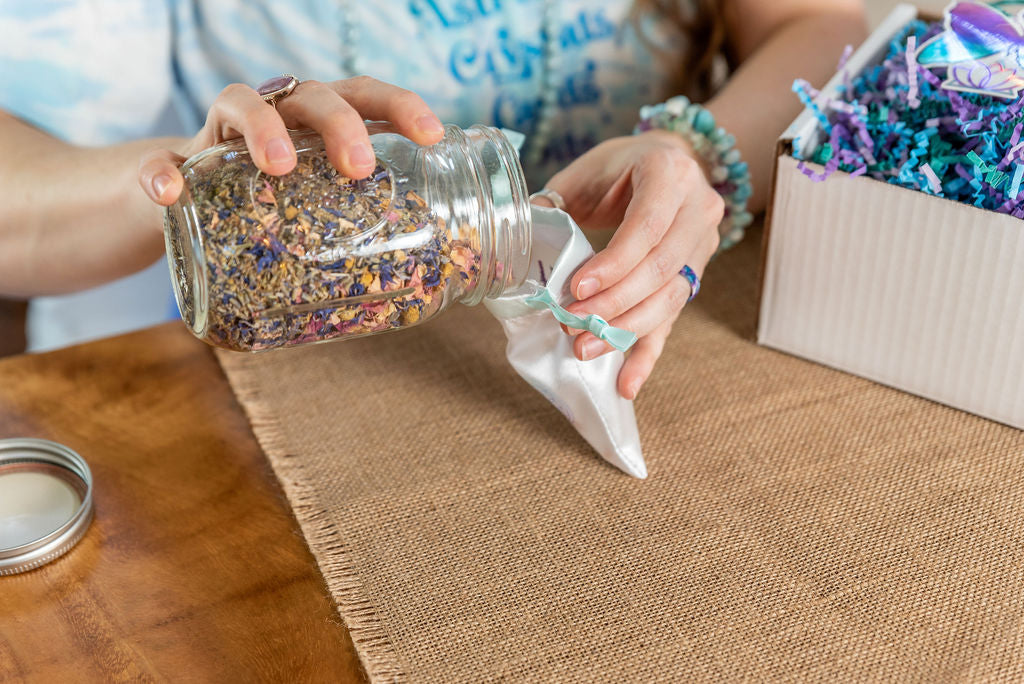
(727,142)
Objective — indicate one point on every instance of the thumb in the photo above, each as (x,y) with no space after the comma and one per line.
(160,176)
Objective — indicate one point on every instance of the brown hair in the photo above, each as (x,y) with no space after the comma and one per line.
(697,71)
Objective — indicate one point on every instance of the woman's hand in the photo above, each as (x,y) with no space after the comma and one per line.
(335,110)
(653,189)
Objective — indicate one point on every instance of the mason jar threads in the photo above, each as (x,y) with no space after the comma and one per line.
(260,262)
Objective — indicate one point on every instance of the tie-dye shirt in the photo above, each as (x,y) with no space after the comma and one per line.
(100,72)
(474,61)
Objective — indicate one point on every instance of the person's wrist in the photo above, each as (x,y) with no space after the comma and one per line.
(674,140)
(724,166)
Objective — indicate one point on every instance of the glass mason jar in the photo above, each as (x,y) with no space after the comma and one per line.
(260,262)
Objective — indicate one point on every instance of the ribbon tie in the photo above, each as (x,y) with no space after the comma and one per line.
(594,324)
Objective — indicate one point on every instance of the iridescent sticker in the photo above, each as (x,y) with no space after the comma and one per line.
(982,48)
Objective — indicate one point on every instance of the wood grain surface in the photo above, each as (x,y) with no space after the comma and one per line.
(194,568)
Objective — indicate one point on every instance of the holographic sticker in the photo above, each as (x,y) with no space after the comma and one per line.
(982,48)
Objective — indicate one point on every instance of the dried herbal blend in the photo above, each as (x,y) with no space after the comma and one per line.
(262,261)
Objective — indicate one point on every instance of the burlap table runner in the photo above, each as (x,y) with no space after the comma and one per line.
(798,523)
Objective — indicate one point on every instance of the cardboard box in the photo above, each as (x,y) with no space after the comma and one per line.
(904,288)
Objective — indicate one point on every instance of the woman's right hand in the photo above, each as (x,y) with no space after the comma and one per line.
(335,110)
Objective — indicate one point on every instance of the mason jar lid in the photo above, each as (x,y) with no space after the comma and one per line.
(45,502)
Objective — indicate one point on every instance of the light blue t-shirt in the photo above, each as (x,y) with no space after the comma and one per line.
(102,72)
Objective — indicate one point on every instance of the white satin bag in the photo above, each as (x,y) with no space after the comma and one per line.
(584,391)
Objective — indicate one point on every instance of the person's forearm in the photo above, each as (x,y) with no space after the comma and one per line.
(74,217)
(757,104)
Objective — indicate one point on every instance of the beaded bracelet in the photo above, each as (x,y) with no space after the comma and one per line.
(730,176)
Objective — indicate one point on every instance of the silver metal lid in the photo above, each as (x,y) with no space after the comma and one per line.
(45,502)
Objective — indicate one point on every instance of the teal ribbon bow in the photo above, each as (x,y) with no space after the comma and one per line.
(594,324)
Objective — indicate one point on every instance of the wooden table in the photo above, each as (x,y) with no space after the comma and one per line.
(194,568)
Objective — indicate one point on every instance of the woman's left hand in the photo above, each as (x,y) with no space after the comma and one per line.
(651,187)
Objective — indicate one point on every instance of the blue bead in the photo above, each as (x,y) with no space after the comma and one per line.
(739,170)
(743,193)
(704,122)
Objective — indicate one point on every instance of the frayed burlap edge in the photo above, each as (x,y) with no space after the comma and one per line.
(332,554)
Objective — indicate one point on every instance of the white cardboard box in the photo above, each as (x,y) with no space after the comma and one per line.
(910,290)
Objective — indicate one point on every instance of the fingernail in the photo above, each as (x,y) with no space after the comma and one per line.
(634,389)
(592,348)
(361,156)
(428,123)
(588,287)
(160,184)
(277,151)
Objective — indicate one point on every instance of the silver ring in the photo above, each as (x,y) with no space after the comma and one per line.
(275,89)
(551,196)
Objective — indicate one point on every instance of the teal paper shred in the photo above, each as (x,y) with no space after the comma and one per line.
(962,146)
(987,172)
(824,154)
(801,87)
(1018,176)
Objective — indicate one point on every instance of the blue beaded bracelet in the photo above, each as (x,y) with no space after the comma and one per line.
(730,176)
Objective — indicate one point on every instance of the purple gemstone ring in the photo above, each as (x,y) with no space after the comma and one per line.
(274,89)
(694,281)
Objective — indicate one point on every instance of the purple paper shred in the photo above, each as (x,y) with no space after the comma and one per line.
(845,57)
(912,89)
(893,122)
(933,180)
